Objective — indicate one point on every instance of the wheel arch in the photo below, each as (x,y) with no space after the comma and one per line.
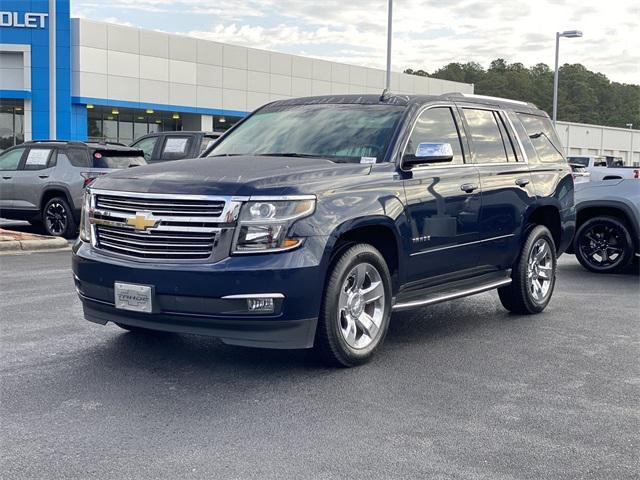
(378,231)
(549,216)
(618,210)
(53,192)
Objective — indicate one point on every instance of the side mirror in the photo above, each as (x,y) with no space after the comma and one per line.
(429,153)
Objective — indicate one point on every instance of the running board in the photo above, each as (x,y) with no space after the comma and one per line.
(443,296)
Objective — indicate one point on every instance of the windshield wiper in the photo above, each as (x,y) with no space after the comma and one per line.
(228,155)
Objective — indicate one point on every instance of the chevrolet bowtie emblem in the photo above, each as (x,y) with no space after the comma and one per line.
(142,221)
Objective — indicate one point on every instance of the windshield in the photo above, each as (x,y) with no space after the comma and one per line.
(347,133)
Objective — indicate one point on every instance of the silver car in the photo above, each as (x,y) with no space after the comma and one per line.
(43,182)
(608,224)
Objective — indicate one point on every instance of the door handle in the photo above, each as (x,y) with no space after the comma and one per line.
(6,178)
(43,176)
(468,187)
(522,182)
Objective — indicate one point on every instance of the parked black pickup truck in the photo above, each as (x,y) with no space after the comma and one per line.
(314,218)
(163,146)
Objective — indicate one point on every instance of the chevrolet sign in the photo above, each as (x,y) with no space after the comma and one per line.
(26,20)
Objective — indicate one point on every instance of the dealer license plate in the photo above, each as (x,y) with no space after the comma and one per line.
(133,297)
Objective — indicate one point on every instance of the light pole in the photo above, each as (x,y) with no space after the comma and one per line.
(566,34)
(389,35)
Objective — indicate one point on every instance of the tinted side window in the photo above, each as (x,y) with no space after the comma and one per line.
(506,138)
(175,148)
(37,159)
(78,157)
(485,136)
(532,156)
(11,159)
(436,125)
(543,137)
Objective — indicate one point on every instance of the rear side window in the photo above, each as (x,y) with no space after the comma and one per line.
(118,158)
(486,136)
(436,125)
(543,137)
(78,157)
(532,156)
(175,148)
(38,159)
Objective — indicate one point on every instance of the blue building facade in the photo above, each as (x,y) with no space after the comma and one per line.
(26,34)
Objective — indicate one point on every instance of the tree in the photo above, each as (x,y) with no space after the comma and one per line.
(583,96)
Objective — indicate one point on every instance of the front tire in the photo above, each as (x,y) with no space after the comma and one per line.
(603,245)
(57,218)
(534,275)
(356,307)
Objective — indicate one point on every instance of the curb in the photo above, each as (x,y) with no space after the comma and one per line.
(34,245)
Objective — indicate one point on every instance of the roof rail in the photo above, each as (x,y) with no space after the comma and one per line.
(487,97)
(68,142)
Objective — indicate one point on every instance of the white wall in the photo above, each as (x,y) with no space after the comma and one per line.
(584,139)
(125,63)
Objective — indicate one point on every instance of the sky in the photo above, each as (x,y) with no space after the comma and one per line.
(427,33)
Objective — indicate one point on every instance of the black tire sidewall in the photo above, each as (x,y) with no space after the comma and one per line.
(70,228)
(532,305)
(627,253)
(331,339)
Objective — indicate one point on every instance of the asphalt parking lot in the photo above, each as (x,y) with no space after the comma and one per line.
(461,390)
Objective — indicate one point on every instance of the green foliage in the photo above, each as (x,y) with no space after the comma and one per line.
(583,96)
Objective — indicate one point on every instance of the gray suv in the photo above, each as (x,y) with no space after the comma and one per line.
(43,181)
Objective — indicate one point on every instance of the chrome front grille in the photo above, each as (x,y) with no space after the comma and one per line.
(161,227)
(161,206)
(156,244)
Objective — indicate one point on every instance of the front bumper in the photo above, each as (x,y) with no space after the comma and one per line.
(188,298)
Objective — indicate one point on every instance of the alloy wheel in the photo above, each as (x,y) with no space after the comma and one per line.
(55,218)
(540,270)
(602,245)
(361,306)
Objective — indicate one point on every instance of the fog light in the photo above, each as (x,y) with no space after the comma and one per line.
(260,305)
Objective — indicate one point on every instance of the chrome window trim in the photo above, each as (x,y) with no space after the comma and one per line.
(424,108)
(515,133)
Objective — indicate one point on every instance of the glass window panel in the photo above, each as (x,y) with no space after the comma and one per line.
(110,130)
(543,137)
(9,160)
(485,136)
(6,128)
(436,125)
(146,145)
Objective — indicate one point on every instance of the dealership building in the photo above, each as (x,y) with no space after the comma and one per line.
(77,79)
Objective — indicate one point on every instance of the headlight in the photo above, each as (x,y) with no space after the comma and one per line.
(263,225)
(85,225)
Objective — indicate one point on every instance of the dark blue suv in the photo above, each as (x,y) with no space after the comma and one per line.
(313,219)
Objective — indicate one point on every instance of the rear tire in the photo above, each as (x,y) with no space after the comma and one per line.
(57,218)
(356,307)
(533,276)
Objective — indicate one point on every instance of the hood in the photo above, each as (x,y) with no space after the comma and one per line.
(242,176)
